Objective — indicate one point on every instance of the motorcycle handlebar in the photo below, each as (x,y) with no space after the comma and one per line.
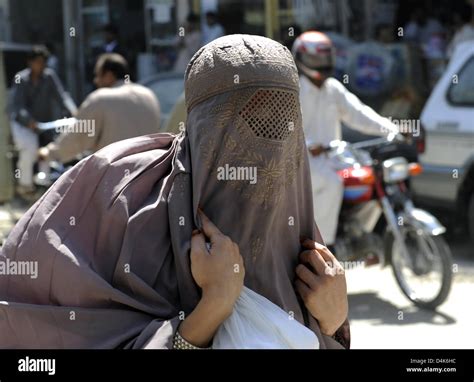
(359,145)
(371,143)
(379,142)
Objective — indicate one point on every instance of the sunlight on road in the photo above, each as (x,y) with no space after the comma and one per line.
(382,318)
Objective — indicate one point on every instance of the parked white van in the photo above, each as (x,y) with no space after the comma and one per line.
(448,119)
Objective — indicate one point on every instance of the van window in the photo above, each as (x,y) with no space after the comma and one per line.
(462,92)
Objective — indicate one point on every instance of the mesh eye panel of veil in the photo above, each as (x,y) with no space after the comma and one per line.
(271,113)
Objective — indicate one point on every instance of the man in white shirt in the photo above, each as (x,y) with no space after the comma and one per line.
(212,30)
(325,104)
(117,110)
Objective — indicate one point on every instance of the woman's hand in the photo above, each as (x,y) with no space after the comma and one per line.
(219,272)
(321,284)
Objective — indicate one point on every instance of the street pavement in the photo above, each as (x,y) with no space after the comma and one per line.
(10,213)
(382,317)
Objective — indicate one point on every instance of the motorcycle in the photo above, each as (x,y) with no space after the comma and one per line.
(378,220)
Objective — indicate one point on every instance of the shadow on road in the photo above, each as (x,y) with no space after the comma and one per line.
(369,306)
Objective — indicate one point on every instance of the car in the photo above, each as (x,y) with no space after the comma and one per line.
(448,119)
(168,88)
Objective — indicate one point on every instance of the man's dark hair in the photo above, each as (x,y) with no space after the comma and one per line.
(466,13)
(38,51)
(212,15)
(112,29)
(113,62)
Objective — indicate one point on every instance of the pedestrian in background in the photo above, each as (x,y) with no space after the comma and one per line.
(465,32)
(111,40)
(212,29)
(190,43)
(37,91)
(118,110)
(325,105)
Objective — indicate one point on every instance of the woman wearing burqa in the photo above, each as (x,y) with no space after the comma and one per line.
(112,238)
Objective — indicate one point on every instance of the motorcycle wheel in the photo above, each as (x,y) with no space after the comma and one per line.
(425,253)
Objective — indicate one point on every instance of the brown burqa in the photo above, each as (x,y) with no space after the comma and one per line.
(112,236)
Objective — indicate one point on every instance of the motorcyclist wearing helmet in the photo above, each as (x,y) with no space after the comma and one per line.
(325,104)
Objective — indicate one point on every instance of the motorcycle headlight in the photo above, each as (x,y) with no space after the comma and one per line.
(395,170)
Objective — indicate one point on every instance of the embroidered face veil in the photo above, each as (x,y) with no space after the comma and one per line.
(244,113)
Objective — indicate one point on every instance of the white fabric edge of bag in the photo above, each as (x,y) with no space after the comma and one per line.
(257,323)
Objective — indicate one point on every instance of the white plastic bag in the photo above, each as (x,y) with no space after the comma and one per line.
(257,323)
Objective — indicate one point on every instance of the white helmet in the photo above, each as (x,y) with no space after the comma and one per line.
(314,54)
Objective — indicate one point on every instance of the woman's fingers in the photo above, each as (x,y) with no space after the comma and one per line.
(323,252)
(303,289)
(326,298)
(198,243)
(220,272)
(308,243)
(210,230)
(305,275)
(315,260)
(330,259)
(311,244)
